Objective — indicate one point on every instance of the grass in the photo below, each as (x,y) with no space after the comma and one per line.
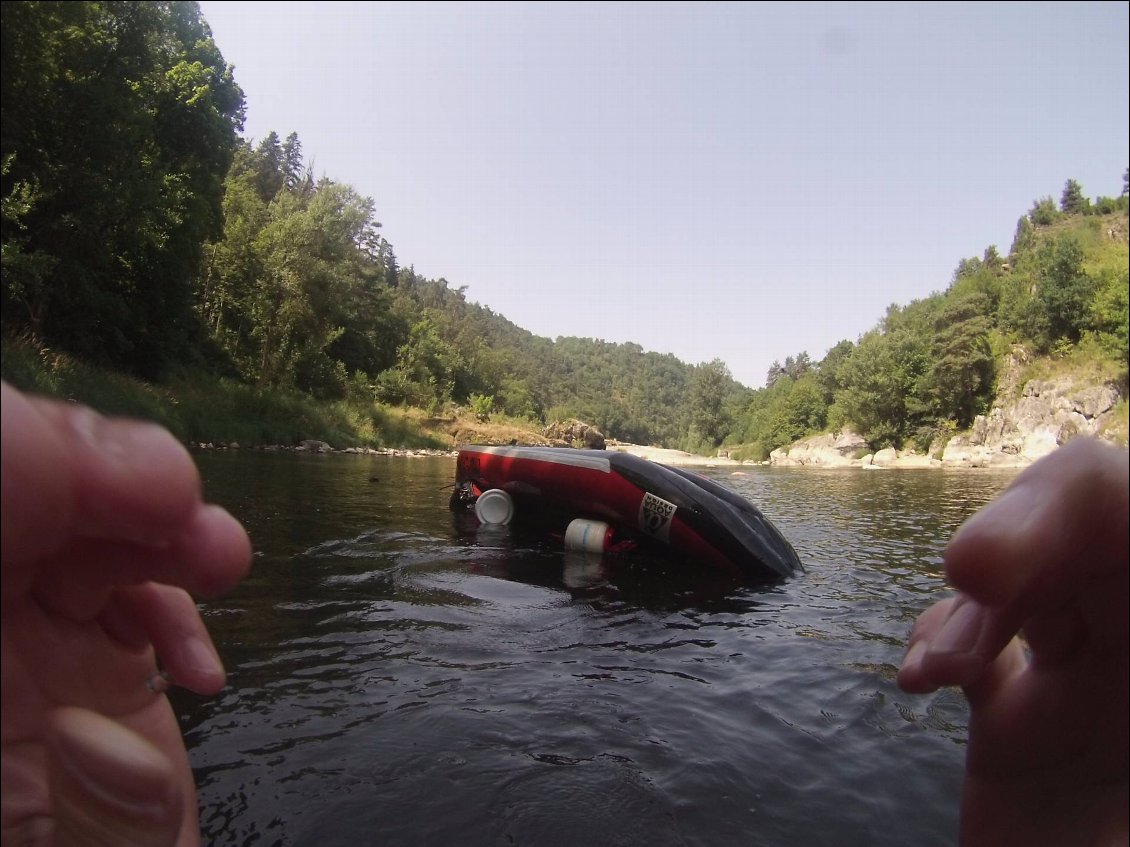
(1086,362)
(201,408)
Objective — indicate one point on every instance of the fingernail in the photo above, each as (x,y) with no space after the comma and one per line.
(913,657)
(960,632)
(202,658)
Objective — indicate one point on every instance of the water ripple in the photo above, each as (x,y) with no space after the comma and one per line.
(397,677)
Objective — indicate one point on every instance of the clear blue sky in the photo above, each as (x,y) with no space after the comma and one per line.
(732,181)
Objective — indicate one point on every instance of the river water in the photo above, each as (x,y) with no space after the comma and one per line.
(399,677)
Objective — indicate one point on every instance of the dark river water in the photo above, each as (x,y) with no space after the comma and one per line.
(399,678)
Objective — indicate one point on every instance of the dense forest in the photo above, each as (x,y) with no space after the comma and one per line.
(142,233)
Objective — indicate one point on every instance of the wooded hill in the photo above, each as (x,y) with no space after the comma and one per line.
(143,234)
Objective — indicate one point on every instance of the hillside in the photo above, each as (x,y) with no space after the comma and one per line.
(931,368)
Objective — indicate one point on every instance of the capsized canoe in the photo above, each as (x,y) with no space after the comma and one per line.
(689,513)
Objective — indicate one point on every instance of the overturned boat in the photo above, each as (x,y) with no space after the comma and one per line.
(614,501)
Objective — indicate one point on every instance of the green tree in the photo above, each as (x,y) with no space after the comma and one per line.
(800,412)
(992,259)
(829,369)
(296,176)
(424,374)
(1060,307)
(708,402)
(881,382)
(119,121)
(1024,236)
(962,373)
(1043,212)
(294,292)
(1111,310)
(1072,201)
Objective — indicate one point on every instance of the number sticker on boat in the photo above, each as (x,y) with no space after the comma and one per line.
(655,516)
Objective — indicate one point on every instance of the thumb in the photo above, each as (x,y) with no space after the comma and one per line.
(109,786)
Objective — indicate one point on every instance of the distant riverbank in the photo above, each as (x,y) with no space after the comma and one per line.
(678,458)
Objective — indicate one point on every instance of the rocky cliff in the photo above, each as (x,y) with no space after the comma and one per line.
(1024,424)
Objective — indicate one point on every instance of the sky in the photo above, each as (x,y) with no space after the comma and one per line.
(728,181)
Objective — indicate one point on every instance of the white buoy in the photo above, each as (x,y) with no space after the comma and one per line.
(590,536)
(494,507)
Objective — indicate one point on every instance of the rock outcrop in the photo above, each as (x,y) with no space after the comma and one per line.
(838,450)
(1047,414)
(1014,434)
(575,433)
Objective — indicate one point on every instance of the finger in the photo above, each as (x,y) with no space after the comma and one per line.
(211,556)
(68,471)
(958,642)
(912,676)
(37,484)
(133,480)
(172,623)
(109,785)
(1063,518)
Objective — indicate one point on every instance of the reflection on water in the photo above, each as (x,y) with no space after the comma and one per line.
(399,675)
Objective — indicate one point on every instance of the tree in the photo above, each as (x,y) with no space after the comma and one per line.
(829,369)
(119,121)
(967,267)
(1043,212)
(1111,310)
(291,165)
(881,384)
(961,376)
(775,372)
(425,371)
(1023,237)
(269,167)
(709,388)
(1072,202)
(293,293)
(1063,293)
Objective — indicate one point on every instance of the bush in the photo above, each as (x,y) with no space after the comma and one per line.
(482,405)
(752,452)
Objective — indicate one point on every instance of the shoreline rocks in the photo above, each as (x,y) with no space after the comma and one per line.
(1046,415)
(323,447)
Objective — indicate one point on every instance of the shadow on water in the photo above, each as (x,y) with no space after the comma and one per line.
(399,675)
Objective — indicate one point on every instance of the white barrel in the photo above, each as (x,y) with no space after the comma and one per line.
(494,507)
(590,536)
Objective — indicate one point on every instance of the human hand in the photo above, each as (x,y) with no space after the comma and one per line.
(1047,755)
(104,533)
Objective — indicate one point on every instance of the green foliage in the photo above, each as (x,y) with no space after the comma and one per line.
(481,406)
(1060,304)
(708,414)
(1043,212)
(794,368)
(880,380)
(293,294)
(203,409)
(425,370)
(118,124)
(1111,313)
(961,377)
(1072,201)
(1024,237)
(754,452)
